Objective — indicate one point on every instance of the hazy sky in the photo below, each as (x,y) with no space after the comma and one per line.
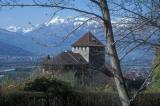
(18,16)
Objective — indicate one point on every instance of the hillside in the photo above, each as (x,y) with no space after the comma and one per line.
(10,50)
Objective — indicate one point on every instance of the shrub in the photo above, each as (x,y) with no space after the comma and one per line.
(47,84)
(147,99)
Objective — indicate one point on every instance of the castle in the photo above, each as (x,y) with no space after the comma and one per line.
(87,54)
(91,49)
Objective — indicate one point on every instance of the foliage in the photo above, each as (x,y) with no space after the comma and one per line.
(14,80)
(12,85)
(17,98)
(44,99)
(156,74)
(108,89)
(147,99)
(133,85)
(155,82)
(78,99)
(154,88)
(66,76)
(47,84)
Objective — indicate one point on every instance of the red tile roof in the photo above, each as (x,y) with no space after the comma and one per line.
(88,39)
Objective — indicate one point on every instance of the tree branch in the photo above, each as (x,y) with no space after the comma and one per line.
(51,6)
(143,17)
(96,2)
(144,84)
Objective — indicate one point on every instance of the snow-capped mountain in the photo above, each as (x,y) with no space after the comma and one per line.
(55,36)
(56,20)
(48,38)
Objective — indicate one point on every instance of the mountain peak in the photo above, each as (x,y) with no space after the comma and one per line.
(55,20)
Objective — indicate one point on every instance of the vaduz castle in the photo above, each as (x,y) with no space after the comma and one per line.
(85,59)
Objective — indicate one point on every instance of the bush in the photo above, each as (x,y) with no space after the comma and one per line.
(147,99)
(13,99)
(156,73)
(155,80)
(47,84)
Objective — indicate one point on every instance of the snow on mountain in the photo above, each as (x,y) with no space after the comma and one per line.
(55,31)
(53,22)
(81,20)
(26,30)
(13,28)
(19,29)
(56,20)
(52,37)
(48,38)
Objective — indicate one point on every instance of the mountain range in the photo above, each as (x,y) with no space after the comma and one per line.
(10,50)
(53,37)
(48,38)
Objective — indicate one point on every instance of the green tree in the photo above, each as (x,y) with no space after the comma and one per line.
(155,87)
(156,74)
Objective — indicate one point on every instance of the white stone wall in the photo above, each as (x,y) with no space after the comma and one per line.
(84,51)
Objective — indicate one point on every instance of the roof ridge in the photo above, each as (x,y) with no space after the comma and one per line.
(86,40)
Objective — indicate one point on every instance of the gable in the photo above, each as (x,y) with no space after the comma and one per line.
(88,39)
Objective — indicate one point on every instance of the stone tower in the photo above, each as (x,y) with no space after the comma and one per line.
(92,50)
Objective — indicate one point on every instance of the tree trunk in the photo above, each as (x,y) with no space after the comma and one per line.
(118,77)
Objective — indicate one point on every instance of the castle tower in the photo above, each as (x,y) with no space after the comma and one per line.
(92,50)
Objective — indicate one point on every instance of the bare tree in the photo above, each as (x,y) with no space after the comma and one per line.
(143,26)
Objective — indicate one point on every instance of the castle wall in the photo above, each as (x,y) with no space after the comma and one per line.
(93,55)
(97,56)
